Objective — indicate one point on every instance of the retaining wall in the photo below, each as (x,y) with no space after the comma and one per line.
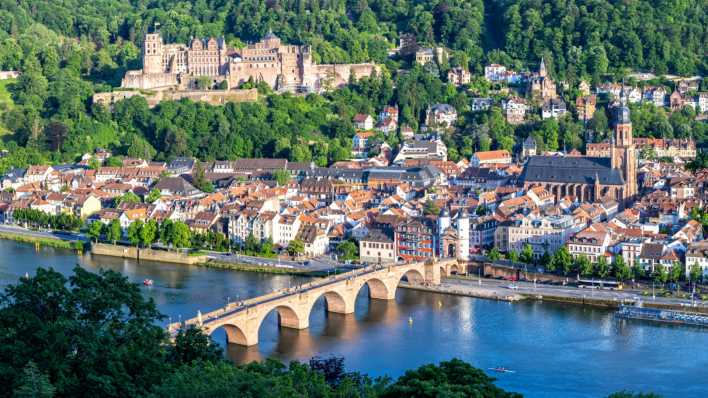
(104,249)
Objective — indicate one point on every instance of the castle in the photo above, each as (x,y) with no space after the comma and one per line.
(591,178)
(283,67)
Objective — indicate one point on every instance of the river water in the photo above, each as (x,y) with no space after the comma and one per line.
(556,350)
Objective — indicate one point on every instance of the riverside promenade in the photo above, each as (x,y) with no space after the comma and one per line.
(494,289)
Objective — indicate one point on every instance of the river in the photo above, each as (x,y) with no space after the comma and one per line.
(556,350)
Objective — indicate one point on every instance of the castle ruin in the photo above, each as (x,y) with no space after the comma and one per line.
(283,67)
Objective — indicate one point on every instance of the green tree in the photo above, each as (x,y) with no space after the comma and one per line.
(134,232)
(637,271)
(661,276)
(199,179)
(348,250)
(513,256)
(430,208)
(450,379)
(191,345)
(561,260)
(494,254)
(72,328)
(128,197)
(526,254)
(148,233)
(180,234)
(33,383)
(114,232)
(296,247)
(603,268)
(695,273)
(282,177)
(153,195)
(584,266)
(95,230)
(203,82)
(620,268)
(676,272)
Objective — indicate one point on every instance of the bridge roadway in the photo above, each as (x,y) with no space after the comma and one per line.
(242,320)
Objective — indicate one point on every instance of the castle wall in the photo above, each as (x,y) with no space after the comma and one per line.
(331,76)
(145,81)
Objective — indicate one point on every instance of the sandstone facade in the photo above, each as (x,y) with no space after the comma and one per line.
(283,67)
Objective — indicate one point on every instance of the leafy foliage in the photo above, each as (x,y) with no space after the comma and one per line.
(72,329)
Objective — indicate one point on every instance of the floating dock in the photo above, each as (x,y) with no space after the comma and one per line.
(665,316)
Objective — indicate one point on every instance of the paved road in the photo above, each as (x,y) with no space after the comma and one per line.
(42,234)
(322,263)
(529,288)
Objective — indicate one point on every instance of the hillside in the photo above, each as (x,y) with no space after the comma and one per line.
(69,50)
(580,36)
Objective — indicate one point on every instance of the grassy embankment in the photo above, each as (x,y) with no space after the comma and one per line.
(49,242)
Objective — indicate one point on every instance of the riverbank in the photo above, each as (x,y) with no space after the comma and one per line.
(256,268)
(495,290)
(467,291)
(41,241)
(177,257)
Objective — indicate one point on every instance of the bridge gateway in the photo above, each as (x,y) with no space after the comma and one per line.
(242,321)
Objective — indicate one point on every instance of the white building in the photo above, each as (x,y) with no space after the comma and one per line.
(377,248)
(697,255)
(542,233)
(553,108)
(495,73)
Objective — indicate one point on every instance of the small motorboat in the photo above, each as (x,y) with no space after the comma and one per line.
(501,369)
(147,282)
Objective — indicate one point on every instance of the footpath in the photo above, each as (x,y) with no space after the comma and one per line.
(503,290)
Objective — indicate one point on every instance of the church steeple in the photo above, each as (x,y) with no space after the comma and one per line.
(542,68)
(624,154)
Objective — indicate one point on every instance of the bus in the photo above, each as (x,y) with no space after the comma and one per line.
(599,284)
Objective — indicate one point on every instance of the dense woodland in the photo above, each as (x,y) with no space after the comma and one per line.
(68,50)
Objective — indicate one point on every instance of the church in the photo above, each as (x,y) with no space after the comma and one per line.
(591,179)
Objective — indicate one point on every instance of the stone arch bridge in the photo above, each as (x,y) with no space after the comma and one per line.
(242,321)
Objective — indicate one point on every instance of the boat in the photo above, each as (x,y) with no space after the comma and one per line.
(662,315)
(501,369)
(147,282)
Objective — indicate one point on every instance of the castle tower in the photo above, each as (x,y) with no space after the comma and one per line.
(624,154)
(152,54)
(443,221)
(463,235)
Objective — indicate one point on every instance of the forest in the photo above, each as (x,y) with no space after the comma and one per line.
(69,50)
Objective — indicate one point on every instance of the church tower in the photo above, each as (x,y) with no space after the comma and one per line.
(542,68)
(624,154)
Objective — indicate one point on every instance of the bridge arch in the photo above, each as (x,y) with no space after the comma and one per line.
(234,335)
(413,276)
(378,289)
(288,317)
(336,302)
